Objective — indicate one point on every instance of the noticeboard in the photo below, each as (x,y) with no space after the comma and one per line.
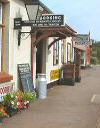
(26,77)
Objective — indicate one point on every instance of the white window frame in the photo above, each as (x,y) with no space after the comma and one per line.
(0,13)
(56,53)
(0,48)
(0,36)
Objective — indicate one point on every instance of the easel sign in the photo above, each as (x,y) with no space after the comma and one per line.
(26,77)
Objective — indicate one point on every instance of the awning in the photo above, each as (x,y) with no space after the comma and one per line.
(4,1)
(80,47)
(59,31)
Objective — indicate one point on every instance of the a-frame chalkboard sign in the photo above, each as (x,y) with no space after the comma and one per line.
(26,77)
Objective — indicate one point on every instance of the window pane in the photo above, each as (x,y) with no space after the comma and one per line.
(0,46)
(62,53)
(0,13)
(56,53)
(68,52)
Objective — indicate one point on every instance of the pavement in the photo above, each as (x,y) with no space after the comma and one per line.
(65,107)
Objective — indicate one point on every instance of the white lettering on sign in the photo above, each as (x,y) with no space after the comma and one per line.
(6,89)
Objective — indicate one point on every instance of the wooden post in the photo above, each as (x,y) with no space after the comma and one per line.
(33,39)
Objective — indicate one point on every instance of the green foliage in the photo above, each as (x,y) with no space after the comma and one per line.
(9,97)
(17,98)
(29,96)
(94,60)
(96,53)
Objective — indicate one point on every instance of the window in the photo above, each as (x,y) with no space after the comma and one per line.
(0,46)
(62,53)
(0,13)
(56,53)
(68,52)
(0,34)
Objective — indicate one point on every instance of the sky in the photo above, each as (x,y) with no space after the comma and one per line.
(82,15)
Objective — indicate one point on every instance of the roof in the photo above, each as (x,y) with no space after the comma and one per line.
(70,28)
(59,31)
(80,47)
(4,1)
(82,34)
(64,29)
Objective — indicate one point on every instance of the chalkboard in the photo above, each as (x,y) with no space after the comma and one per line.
(26,77)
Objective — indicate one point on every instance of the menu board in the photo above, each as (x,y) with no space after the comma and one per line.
(26,77)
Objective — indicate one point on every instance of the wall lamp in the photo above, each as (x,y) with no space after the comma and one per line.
(34,9)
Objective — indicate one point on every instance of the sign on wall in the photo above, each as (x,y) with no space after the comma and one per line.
(55,74)
(45,20)
(26,77)
(6,88)
(17,23)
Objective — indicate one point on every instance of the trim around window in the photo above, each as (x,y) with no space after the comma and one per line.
(56,53)
(1,25)
(68,52)
(1,13)
(62,53)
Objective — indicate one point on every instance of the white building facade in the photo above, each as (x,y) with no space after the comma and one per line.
(45,60)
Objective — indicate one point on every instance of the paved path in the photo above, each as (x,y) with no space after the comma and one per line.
(65,107)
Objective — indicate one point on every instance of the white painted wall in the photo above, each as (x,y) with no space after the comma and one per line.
(18,54)
(22,54)
(49,63)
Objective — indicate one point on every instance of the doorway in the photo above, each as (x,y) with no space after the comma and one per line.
(41,57)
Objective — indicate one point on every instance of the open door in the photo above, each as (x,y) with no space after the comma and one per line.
(41,57)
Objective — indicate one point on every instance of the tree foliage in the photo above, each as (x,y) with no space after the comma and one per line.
(96,53)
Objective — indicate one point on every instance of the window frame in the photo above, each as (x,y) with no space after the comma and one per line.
(1,13)
(68,52)
(62,53)
(56,53)
(1,27)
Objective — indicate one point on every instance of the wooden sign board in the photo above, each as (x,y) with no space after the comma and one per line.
(6,88)
(26,77)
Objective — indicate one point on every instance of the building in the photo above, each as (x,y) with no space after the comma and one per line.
(44,48)
(85,41)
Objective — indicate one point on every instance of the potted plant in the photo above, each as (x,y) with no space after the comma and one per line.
(17,101)
(3,112)
(10,104)
(24,99)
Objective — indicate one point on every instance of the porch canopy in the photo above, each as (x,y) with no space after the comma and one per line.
(80,47)
(4,1)
(61,32)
